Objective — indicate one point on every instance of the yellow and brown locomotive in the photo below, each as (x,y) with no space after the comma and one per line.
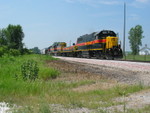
(103,45)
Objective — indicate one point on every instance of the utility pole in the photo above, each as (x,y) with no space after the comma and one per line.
(124,30)
(70,42)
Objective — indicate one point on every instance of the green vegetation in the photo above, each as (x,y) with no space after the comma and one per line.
(135,37)
(11,83)
(38,95)
(35,50)
(138,57)
(11,41)
(47,73)
(29,70)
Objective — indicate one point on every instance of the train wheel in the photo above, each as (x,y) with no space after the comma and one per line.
(109,57)
(89,56)
(98,56)
(79,55)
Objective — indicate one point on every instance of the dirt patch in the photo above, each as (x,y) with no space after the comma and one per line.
(95,86)
(57,108)
(133,101)
(73,71)
(78,71)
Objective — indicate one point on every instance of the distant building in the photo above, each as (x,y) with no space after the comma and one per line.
(144,51)
(43,51)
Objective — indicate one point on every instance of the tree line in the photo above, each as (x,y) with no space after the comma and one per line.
(11,39)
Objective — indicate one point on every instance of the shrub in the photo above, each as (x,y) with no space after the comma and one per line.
(29,70)
(14,52)
(3,50)
(25,51)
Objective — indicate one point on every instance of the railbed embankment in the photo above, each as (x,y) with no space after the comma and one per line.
(122,71)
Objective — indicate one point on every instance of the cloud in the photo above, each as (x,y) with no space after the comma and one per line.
(139,3)
(142,1)
(108,2)
(96,2)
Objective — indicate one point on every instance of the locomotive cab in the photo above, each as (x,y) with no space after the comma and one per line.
(111,42)
(113,50)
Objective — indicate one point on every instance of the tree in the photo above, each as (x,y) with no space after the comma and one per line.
(135,37)
(3,38)
(36,50)
(15,35)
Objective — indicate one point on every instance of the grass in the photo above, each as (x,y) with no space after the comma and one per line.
(146,109)
(47,73)
(38,95)
(138,57)
(10,79)
(93,98)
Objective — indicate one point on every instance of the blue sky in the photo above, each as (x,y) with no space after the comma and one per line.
(48,21)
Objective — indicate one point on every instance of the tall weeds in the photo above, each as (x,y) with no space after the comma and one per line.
(29,70)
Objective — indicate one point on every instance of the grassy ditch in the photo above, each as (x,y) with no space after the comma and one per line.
(70,90)
(138,57)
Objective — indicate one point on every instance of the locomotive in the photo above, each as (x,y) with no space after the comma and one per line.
(102,45)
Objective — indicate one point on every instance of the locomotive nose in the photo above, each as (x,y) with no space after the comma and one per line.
(117,52)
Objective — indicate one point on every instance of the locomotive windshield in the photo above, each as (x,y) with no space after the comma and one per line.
(106,33)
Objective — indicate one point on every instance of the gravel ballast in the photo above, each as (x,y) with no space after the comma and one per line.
(122,71)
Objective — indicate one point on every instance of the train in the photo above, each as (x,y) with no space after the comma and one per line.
(101,45)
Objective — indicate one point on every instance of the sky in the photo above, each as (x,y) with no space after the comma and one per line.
(48,21)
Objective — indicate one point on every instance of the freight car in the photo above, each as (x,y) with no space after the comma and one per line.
(103,45)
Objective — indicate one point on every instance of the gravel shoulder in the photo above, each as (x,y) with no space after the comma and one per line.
(122,71)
